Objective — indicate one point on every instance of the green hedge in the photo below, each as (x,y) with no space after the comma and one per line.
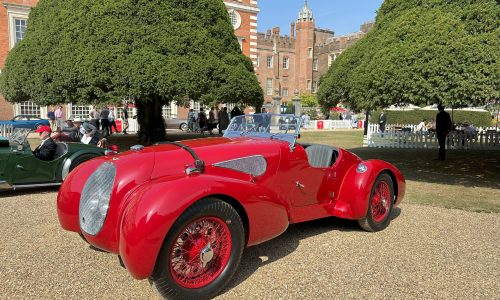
(477,118)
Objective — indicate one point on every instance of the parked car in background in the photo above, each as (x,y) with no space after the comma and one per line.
(26,121)
(176,124)
(19,168)
(183,215)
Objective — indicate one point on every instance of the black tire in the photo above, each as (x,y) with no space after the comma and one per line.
(80,160)
(188,231)
(183,127)
(378,215)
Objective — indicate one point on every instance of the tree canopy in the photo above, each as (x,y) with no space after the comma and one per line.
(87,51)
(420,52)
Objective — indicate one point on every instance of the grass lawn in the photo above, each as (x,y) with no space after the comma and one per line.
(468,179)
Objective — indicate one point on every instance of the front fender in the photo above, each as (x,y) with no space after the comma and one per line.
(156,205)
(353,198)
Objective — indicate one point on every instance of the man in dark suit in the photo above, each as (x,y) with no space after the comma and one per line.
(443,127)
(47,148)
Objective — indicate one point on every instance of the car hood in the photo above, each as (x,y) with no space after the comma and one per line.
(172,160)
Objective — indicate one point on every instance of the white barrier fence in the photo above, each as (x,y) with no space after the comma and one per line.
(407,136)
(330,124)
(6,129)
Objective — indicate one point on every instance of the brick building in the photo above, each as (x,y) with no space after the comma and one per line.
(289,64)
(284,64)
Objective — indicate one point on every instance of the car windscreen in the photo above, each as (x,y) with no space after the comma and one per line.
(18,136)
(271,126)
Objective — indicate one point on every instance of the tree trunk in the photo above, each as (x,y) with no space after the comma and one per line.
(150,119)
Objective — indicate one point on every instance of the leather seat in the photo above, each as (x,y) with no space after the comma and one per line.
(320,156)
(61,149)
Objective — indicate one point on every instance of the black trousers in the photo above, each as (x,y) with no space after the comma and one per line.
(442,145)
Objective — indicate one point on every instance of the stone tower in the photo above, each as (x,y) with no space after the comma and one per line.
(304,48)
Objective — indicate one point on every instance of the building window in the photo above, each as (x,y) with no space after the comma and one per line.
(17,16)
(308,84)
(310,52)
(286,63)
(30,108)
(235,18)
(269,61)
(269,87)
(315,64)
(258,61)
(314,88)
(119,114)
(169,111)
(284,92)
(20,28)
(195,106)
(81,111)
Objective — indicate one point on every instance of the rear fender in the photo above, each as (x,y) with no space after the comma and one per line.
(154,207)
(352,201)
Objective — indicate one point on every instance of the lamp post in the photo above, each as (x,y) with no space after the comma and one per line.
(297,103)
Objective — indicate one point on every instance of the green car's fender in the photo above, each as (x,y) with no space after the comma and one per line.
(78,158)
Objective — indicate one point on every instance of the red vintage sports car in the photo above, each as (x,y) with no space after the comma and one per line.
(181,213)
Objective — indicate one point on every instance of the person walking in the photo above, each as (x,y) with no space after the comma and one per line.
(111,119)
(191,120)
(382,120)
(211,120)
(105,127)
(223,119)
(443,127)
(95,116)
(202,120)
(59,118)
(52,118)
(125,119)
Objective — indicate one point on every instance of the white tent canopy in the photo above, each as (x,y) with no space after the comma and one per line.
(402,107)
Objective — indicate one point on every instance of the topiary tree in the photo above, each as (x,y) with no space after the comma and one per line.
(420,52)
(96,52)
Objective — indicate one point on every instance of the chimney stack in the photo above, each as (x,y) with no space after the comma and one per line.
(292,30)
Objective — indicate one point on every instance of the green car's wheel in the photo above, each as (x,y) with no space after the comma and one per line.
(201,252)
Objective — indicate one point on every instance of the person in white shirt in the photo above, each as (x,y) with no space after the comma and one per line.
(422,126)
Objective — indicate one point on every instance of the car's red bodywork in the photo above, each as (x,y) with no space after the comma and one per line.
(152,190)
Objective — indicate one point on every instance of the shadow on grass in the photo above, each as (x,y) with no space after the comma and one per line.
(470,168)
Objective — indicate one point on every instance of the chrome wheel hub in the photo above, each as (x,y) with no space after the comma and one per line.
(206,255)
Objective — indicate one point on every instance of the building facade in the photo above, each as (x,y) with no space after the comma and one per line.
(284,64)
(293,64)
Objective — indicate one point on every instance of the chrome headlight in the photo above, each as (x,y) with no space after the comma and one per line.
(94,202)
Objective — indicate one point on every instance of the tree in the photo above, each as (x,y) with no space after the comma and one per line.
(420,52)
(308,100)
(96,52)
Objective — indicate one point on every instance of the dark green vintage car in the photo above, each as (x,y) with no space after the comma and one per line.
(19,168)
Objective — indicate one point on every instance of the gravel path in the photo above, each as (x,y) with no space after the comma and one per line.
(426,253)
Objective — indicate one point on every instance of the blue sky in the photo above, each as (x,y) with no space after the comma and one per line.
(341,16)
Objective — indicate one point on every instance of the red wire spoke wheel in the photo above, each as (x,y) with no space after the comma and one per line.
(201,251)
(380,204)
